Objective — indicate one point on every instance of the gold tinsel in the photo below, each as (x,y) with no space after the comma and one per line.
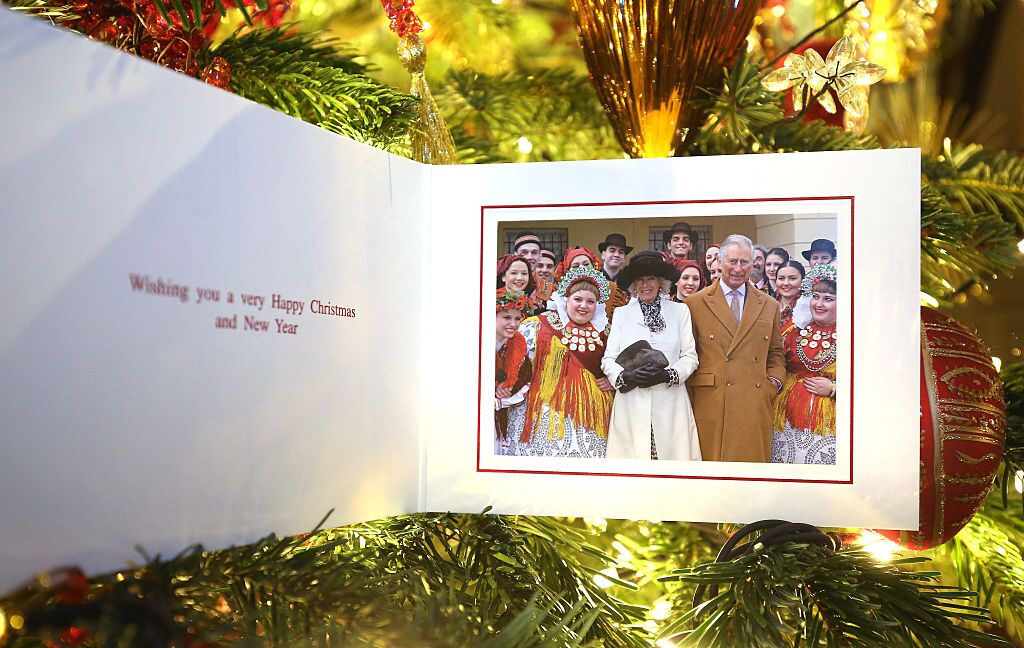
(650,58)
(431,141)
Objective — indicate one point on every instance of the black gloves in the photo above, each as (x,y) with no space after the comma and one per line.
(646,376)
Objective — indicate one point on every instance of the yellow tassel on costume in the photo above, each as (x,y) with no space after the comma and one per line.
(558,394)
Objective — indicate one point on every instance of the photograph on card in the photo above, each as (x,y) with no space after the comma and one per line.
(634,339)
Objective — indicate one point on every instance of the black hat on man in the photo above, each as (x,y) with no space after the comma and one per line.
(646,264)
(680,227)
(614,239)
(820,245)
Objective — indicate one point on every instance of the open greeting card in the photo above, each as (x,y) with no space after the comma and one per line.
(223,322)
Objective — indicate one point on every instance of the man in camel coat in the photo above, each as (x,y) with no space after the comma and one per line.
(742,363)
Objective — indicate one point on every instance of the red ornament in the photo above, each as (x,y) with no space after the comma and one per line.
(150,48)
(74,636)
(72,588)
(963,430)
(406,22)
(217,73)
(104,31)
(392,7)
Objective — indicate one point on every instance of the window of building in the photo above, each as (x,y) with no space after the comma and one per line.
(554,239)
(656,239)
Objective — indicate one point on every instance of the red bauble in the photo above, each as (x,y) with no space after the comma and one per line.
(963,430)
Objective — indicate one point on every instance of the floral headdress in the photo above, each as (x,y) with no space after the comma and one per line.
(585,273)
(815,274)
(507,301)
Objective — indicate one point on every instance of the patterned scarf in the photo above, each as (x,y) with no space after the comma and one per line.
(652,315)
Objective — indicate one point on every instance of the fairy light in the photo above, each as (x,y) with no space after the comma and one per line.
(662,608)
(524,145)
(3,624)
(997,362)
(928,300)
(625,555)
(664,643)
(600,578)
(1020,246)
(600,525)
(1018,481)
(881,548)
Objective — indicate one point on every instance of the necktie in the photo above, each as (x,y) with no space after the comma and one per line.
(734,305)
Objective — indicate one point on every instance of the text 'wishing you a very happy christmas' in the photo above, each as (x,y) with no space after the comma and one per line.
(258,313)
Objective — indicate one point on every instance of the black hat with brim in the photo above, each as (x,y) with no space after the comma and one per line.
(679,227)
(614,239)
(646,264)
(820,245)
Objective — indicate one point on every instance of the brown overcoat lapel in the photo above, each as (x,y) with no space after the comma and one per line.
(752,306)
(720,307)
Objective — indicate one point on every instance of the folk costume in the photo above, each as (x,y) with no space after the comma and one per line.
(566,412)
(805,423)
(652,421)
(512,369)
(504,263)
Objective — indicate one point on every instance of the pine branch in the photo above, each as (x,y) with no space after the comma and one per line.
(1012,377)
(739,113)
(818,136)
(424,580)
(317,83)
(978,181)
(989,561)
(808,595)
(958,247)
(556,110)
(55,12)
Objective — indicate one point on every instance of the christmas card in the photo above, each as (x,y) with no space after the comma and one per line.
(223,321)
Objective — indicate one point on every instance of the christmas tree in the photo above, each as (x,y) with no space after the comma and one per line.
(509,81)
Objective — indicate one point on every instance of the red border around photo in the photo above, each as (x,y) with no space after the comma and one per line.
(479,399)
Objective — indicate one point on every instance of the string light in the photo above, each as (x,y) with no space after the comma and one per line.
(662,608)
(881,548)
(928,300)
(1020,246)
(997,363)
(1018,481)
(601,581)
(524,145)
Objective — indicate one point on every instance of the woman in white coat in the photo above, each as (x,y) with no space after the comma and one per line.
(651,414)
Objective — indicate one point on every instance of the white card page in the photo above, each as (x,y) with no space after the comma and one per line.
(871,199)
(128,417)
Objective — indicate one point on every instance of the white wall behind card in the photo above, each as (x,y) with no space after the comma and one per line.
(129,418)
(884,488)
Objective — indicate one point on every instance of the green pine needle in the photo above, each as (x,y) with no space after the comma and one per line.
(807,595)
(319,83)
